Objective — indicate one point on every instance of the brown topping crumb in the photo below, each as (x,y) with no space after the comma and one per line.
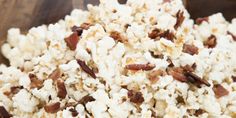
(86,99)
(156,54)
(166,1)
(180,99)
(234,78)
(85,68)
(35,82)
(118,37)
(127,25)
(154,34)
(233,36)
(74,113)
(190,49)
(210,42)
(72,41)
(189,68)
(145,67)
(52,108)
(154,75)
(4,113)
(135,97)
(61,89)
(199,112)
(79,30)
(170,62)
(13,90)
(177,74)
(196,80)
(220,91)
(55,74)
(168,35)
(200,20)
(180,18)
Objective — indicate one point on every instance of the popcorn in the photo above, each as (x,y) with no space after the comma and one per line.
(105,69)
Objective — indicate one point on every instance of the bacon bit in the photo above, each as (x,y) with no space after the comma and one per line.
(52,108)
(220,91)
(117,36)
(61,89)
(180,18)
(154,75)
(177,74)
(170,62)
(200,20)
(180,99)
(55,74)
(74,113)
(199,112)
(156,54)
(190,49)
(196,80)
(13,90)
(234,78)
(233,36)
(135,97)
(166,1)
(72,41)
(86,99)
(154,34)
(189,68)
(211,42)
(168,35)
(35,82)
(4,113)
(145,67)
(85,68)
(79,30)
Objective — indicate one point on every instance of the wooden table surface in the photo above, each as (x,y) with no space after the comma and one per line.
(28,13)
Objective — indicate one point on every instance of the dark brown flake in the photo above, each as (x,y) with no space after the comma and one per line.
(190,49)
(210,42)
(199,112)
(195,80)
(86,99)
(177,73)
(220,91)
(233,78)
(13,90)
(85,68)
(154,75)
(4,113)
(168,35)
(200,20)
(180,18)
(118,37)
(137,67)
(154,33)
(79,30)
(231,34)
(72,41)
(156,54)
(52,108)
(74,113)
(35,82)
(55,74)
(61,89)
(135,97)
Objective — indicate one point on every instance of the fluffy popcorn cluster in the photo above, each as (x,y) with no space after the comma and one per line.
(142,59)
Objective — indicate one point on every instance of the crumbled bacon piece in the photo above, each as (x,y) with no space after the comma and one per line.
(200,20)
(52,108)
(190,49)
(55,74)
(74,113)
(79,30)
(118,37)
(210,42)
(156,54)
(154,34)
(168,35)
(135,97)
(166,1)
(13,90)
(233,36)
(72,41)
(4,113)
(85,68)
(86,99)
(145,67)
(180,18)
(220,91)
(35,82)
(177,73)
(234,78)
(189,68)
(199,112)
(154,75)
(61,89)
(196,80)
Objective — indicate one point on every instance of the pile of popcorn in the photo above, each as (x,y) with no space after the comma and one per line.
(142,59)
